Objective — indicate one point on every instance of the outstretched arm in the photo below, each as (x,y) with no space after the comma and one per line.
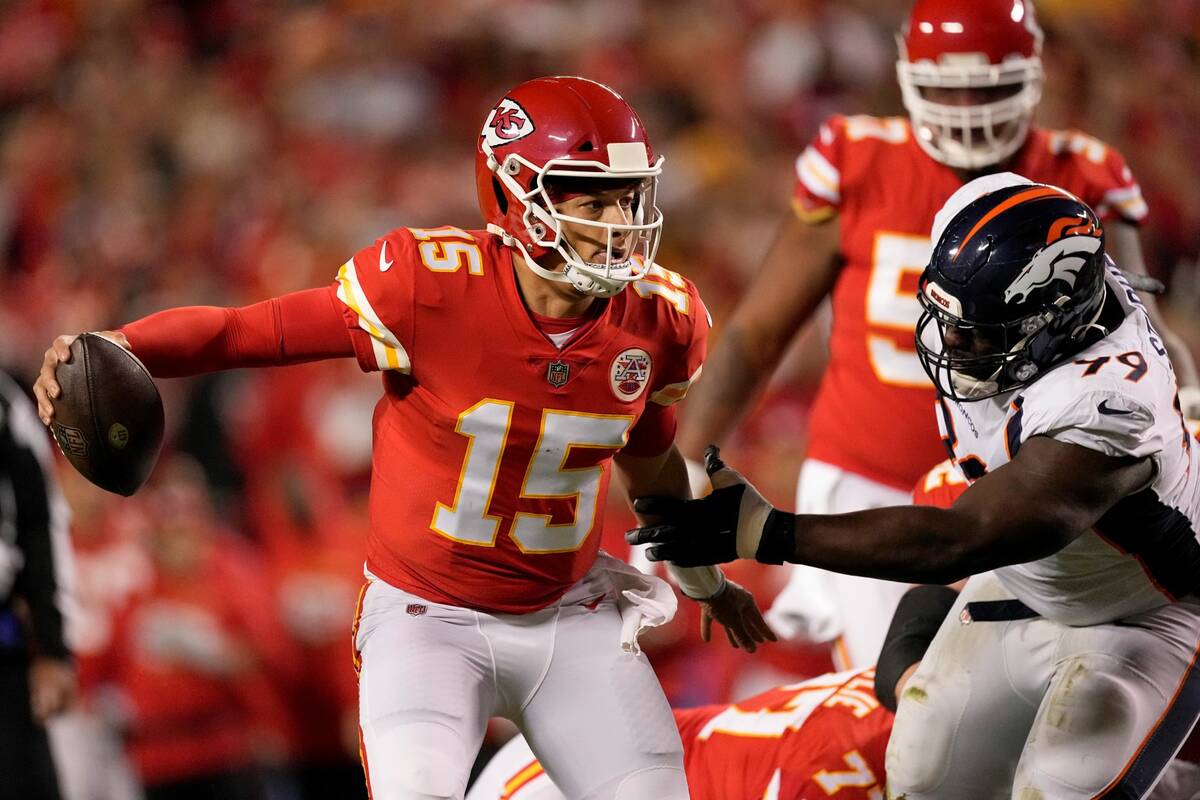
(291,329)
(1063,490)
(798,272)
(720,599)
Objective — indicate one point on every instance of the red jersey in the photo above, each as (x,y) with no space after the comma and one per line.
(493,447)
(885,190)
(825,737)
(940,486)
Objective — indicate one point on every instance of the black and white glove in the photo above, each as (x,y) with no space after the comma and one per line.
(735,521)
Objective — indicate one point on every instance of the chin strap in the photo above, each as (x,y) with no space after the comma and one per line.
(587,284)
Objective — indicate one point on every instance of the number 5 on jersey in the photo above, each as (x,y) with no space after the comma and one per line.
(895,310)
(486,425)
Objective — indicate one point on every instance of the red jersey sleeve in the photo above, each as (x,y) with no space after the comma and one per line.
(291,329)
(1109,185)
(685,323)
(377,289)
(818,189)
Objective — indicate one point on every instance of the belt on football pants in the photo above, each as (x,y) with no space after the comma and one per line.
(997,611)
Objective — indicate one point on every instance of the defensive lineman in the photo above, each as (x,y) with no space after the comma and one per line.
(1070,671)
(521,364)
(866,192)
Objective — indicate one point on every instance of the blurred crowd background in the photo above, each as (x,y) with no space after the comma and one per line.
(218,152)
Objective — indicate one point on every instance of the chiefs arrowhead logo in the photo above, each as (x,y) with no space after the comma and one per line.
(507,123)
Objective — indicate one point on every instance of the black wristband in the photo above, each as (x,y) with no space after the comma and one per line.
(778,542)
(915,623)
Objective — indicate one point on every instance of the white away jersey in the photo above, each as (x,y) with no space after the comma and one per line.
(1117,397)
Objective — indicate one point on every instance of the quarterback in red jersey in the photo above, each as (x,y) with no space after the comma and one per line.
(866,192)
(516,372)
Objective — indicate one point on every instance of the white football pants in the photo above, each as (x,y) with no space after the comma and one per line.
(849,612)
(431,675)
(1030,709)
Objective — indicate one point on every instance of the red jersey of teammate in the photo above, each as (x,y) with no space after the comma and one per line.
(941,486)
(824,737)
(885,190)
(492,446)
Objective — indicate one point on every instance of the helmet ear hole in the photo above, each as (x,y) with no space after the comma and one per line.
(586,147)
(501,197)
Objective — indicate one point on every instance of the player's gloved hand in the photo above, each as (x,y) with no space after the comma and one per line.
(735,609)
(735,521)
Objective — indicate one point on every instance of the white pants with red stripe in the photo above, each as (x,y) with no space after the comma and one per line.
(850,612)
(431,675)
(1029,708)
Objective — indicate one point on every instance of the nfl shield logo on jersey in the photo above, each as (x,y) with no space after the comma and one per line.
(630,373)
(415,609)
(557,373)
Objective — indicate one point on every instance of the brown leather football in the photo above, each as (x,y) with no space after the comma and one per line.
(108,420)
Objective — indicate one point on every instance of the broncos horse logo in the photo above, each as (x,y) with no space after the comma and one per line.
(1070,243)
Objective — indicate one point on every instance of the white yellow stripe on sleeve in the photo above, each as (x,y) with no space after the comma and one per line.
(389,353)
(1127,201)
(819,176)
(672,393)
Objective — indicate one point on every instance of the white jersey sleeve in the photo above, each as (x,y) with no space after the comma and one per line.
(1110,419)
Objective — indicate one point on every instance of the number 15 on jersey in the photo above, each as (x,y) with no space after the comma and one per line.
(486,425)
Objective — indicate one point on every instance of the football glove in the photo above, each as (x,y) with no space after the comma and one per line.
(735,521)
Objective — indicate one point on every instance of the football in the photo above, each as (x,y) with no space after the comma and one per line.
(108,419)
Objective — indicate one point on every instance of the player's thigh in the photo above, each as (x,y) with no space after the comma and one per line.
(598,720)
(1120,705)
(514,774)
(963,719)
(425,695)
(825,489)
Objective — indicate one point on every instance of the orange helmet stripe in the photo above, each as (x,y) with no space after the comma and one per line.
(1036,193)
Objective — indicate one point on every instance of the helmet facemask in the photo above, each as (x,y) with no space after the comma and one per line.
(1017,352)
(973,136)
(1007,362)
(543,223)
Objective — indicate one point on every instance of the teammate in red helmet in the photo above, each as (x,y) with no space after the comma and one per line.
(516,374)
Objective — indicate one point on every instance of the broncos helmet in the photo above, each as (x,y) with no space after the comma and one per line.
(1015,281)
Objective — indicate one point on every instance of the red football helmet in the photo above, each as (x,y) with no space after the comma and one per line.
(982,44)
(570,128)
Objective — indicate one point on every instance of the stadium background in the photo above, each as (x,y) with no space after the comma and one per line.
(159,154)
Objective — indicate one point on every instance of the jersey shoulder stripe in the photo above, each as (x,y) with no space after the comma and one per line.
(389,353)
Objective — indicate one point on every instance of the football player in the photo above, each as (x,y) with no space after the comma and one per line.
(1071,670)
(866,191)
(824,736)
(520,363)
(828,733)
